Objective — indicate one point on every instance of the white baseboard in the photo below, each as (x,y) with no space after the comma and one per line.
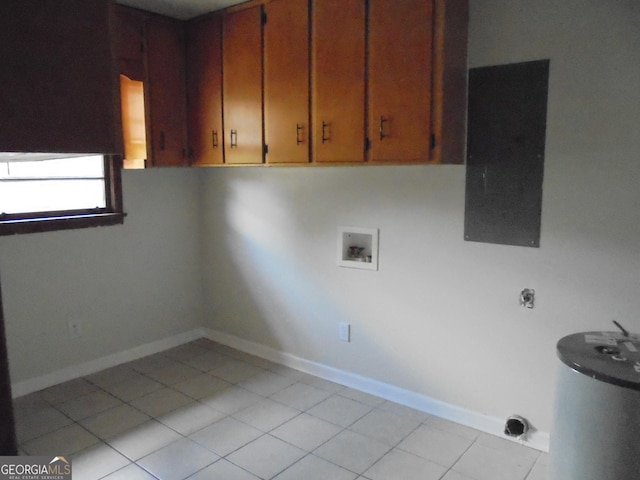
(75,371)
(492,425)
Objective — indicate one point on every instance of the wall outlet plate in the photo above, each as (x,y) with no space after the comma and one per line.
(75,328)
(344,331)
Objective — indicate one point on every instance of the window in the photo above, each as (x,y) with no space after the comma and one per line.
(42,192)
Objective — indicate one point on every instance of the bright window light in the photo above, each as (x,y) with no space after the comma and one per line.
(29,185)
(133,122)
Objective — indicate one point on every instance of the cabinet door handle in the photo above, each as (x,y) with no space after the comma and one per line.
(324,129)
(162,144)
(214,138)
(383,134)
(234,138)
(299,134)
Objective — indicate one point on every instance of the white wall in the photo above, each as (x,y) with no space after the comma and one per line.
(128,285)
(441,316)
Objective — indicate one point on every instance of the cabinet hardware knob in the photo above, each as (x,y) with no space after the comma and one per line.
(299,134)
(324,129)
(383,134)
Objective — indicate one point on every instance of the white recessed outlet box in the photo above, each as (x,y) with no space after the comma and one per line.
(344,331)
(358,247)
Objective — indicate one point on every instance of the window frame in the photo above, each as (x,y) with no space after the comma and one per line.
(111,214)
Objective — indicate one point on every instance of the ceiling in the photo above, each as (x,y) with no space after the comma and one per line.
(181,9)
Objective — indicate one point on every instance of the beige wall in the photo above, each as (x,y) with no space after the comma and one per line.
(128,285)
(441,316)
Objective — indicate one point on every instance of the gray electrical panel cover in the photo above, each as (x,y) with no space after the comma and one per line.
(505,153)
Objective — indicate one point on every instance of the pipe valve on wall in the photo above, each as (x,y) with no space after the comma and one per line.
(527,297)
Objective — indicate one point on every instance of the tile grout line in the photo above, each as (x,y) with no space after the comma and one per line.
(460,457)
(306,379)
(532,466)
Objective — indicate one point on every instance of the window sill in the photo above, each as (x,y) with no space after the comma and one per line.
(66,222)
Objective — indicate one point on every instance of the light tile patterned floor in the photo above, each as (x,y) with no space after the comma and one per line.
(204,411)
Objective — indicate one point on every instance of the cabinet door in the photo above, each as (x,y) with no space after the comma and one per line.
(166,92)
(286,88)
(449,125)
(59,87)
(400,55)
(204,83)
(242,86)
(129,41)
(338,88)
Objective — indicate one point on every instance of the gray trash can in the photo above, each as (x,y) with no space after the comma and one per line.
(595,434)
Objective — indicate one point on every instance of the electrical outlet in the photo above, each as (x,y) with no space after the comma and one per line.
(75,328)
(344,331)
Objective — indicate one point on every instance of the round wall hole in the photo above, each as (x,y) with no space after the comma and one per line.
(516,426)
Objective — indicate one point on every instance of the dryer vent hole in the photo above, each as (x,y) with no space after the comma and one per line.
(516,426)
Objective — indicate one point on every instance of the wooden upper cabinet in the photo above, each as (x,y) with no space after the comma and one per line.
(400,58)
(58,75)
(348,81)
(166,92)
(450,81)
(242,86)
(204,90)
(286,81)
(129,42)
(338,85)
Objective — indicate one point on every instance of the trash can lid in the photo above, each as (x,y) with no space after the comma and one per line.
(610,357)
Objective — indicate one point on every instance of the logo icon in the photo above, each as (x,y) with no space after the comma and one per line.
(35,468)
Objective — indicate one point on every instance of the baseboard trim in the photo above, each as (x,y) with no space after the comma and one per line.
(492,425)
(70,373)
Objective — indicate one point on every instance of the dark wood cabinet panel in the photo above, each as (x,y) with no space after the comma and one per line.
(58,75)
(286,89)
(449,99)
(166,92)
(129,42)
(204,90)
